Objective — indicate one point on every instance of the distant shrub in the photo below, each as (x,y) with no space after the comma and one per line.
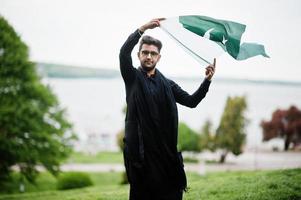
(124,179)
(120,136)
(190,160)
(73,180)
(188,139)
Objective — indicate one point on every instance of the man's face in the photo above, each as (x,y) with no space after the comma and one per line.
(148,56)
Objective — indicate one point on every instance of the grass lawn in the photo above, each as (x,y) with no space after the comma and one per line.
(107,157)
(102,157)
(254,185)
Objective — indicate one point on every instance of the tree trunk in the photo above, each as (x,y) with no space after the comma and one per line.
(223,156)
(287,142)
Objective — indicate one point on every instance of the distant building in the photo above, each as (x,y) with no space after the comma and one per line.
(97,142)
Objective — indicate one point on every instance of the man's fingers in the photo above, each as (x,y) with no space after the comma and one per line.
(210,70)
(210,67)
(157,22)
(161,18)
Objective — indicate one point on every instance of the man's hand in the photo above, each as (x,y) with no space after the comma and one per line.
(152,24)
(210,70)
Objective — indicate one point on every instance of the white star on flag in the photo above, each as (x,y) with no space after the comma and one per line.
(224,40)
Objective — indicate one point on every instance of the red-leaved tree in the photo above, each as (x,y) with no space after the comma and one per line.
(284,124)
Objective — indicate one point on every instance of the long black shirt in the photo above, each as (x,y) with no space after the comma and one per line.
(152,121)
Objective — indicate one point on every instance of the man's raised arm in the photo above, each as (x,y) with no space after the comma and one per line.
(182,97)
(125,59)
(126,66)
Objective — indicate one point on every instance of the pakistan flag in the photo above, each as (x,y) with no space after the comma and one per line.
(186,30)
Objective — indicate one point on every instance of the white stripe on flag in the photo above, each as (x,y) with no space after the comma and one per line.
(202,49)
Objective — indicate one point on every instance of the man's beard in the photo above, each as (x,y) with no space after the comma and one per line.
(145,68)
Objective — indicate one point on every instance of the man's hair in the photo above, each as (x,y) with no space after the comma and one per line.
(150,41)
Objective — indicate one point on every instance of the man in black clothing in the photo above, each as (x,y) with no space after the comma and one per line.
(154,167)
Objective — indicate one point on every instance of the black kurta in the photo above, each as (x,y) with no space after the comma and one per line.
(151,125)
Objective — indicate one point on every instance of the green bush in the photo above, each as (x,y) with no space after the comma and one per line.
(124,179)
(190,160)
(120,136)
(72,180)
(188,139)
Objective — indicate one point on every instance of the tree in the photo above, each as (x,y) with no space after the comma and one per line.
(120,143)
(120,134)
(120,137)
(207,137)
(284,124)
(230,135)
(33,128)
(188,139)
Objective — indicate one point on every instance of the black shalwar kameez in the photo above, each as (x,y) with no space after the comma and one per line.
(153,165)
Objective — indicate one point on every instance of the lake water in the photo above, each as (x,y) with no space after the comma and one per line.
(95,106)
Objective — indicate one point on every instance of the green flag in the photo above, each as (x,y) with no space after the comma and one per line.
(226,34)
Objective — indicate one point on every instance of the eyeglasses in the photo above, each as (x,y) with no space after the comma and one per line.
(152,53)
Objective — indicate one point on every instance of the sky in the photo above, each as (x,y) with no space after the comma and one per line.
(91,32)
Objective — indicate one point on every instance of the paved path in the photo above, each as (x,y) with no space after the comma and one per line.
(250,161)
(246,161)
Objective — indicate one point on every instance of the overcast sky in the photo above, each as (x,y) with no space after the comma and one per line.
(91,32)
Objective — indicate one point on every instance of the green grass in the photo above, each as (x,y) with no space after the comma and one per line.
(102,157)
(254,185)
(47,182)
(108,157)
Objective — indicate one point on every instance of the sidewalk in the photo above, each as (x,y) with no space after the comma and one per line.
(246,161)
(250,161)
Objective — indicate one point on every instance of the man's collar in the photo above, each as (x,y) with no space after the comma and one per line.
(145,72)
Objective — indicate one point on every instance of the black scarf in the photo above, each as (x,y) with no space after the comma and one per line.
(157,132)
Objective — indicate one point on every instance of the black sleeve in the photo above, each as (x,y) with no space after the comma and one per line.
(183,98)
(126,66)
